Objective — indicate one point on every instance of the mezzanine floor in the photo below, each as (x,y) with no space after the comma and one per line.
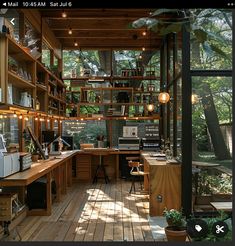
(94,212)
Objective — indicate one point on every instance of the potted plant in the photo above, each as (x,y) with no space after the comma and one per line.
(176,229)
(31,149)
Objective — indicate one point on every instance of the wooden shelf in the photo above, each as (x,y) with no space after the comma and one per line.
(115,78)
(56,98)
(106,89)
(18,81)
(155,117)
(111,103)
(135,78)
(18,51)
(54,108)
(41,87)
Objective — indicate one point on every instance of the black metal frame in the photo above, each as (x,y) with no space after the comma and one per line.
(187,75)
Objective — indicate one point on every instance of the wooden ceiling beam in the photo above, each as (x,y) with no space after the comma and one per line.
(97,13)
(87,24)
(104,33)
(111,43)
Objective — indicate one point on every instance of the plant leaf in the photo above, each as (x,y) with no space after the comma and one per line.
(171,28)
(139,23)
(149,22)
(219,51)
(162,11)
(207,48)
(216,37)
(201,35)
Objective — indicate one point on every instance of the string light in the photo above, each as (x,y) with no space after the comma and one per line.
(26,118)
(48,120)
(64,14)
(14,115)
(143,48)
(20,117)
(70,31)
(75,43)
(144,33)
(5,116)
(36,118)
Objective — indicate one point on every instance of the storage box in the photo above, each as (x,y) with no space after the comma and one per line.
(8,206)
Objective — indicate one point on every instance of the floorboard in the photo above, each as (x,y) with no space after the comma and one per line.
(95,212)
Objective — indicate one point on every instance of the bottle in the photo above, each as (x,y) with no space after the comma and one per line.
(37,104)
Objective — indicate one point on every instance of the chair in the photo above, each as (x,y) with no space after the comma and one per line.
(100,167)
(136,172)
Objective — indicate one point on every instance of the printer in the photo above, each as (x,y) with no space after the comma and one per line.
(9,162)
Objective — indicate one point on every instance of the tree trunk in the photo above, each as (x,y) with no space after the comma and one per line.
(212,121)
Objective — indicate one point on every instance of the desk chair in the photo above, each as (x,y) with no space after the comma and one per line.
(136,173)
(101,168)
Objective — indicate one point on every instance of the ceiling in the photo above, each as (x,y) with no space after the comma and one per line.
(100,28)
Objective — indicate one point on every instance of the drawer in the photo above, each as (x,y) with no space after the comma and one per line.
(83,158)
(83,175)
(84,164)
(82,169)
(5,203)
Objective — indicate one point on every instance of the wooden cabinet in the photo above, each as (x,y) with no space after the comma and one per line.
(83,167)
(111,103)
(164,186)
(8,207)
(26,83)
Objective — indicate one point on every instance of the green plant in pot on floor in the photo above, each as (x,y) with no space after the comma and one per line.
(176,229)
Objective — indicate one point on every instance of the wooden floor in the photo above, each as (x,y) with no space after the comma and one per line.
(99,212)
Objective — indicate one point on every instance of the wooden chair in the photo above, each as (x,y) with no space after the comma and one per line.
(136,172)
(101,167)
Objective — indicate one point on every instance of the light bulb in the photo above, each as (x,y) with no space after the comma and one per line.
(143,48)
(150,107)
(194,98)
(75,43)
(70,32)
(144,33)
(64,15)
(163,97)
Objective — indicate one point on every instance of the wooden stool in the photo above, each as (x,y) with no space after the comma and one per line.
(136,172)
(101,167)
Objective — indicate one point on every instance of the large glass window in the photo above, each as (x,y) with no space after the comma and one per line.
(85,131)
(211,49)
(9,129)
(46,55)
(211,40)
(86,63)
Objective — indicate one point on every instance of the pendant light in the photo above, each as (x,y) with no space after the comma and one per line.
(163,97)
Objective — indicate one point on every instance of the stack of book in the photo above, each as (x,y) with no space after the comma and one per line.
(113,112)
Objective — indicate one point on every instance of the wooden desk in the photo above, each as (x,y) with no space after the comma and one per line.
(60,167)
(86,158)
(222,206)
(164,185)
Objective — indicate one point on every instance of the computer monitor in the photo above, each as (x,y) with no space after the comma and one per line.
(48,136)
(2,144)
